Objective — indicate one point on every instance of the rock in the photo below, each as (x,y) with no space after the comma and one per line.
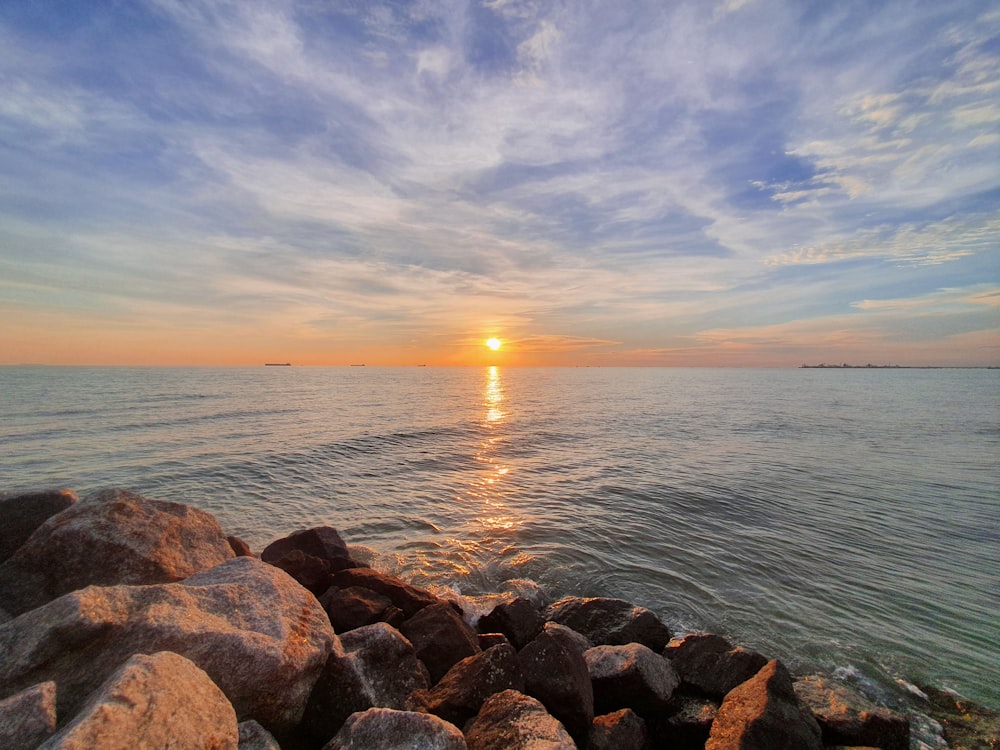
(20,515)
(322,542)
(253,736)
(28,718)
(513,721)
(710,664)
(355,607)
(461,693)
(111,538)
(764,714)
(239,547)
(582,641)
(685,725)
(374,667)
(488,640)
(160,700)
(630,676)
(408,598)
(555,673)
(610,622)
(261,637)
(311,572)
(386,729)
(848,718)
(440,637)
(519,620)
(966,725)
(621,730)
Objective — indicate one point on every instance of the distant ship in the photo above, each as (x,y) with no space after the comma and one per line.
(277,364)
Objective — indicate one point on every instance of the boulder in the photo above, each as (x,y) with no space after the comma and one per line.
(621,730)
(555,673)
(963,722)
(20,515)
(374,667)
(409,599)
(488,640)
(253,736)
(28,718)
(582,641)
(441,638)
(685,725)
(519,620)
(511,720)
(311,572)
(158,700)
(260,636)
(848,718)
(610,622)
(764,714)
(710,664)
(355,607)
(239,547)
(111,538)
(630,676)
(322,542)
(461,693)
(386,729)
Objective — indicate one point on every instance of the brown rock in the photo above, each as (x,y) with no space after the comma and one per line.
(409,599)
(966,725)
(611,622)
(311,572)
(386,729)
(21,515)
(355,607)
(513,721)
(323,542)
(519,620)
(621,730)
(764,714)
(440,637)
(488,640)
(113,537)
(161,700)
(630,676)
(239,547)
(555,673)
(848,718)
(686,724)
(28,718)
(710,664)
(254,737)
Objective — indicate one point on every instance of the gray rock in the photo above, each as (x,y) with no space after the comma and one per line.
(610,622)
(260,636)
(630,676)
(621,730)
(161,700)
(848,718)
(441,638)
(21,515)
(28,718)
(253,736)
(555,672)
(764,713)
(710,664)
(513,721)
(386,729)
(111,538)
(374,667)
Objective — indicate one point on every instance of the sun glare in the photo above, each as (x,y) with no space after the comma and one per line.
(494,344)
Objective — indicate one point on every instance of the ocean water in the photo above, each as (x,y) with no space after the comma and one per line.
(845,521)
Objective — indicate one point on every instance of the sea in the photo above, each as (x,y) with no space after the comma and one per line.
(846,521)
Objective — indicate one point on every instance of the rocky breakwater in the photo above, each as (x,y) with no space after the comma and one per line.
(133,622)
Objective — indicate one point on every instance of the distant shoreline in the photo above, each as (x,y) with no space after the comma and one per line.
(897,367)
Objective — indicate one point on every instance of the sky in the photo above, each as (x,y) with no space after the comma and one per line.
(670,183)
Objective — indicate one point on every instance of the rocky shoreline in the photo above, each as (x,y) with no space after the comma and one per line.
(127,621)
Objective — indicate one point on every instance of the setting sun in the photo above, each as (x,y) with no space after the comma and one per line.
(494,344)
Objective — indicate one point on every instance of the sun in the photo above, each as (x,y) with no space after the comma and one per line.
(494,344)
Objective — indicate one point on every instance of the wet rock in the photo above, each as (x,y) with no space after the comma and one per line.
(488,640)
(386,729)
(555,673)
(374,667)
(322,542)
(28,718)
(685,725)
(310,572)
(21,515)
(355,607)
(582,641)
(252,736)
(630,676)
(621,730)
(261,637)
(440,637)
(966,725)
(409,599)
(461,692)
(764,714)
(160,700)
(611,622)
(511,720)
(848,718)
(711,664)
(519,620)
(113,537)
(239,547)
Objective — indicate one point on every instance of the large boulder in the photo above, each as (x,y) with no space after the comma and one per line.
(848,718)
(440,637)
(20,515)
(461,693)
(511,720)
(610,622)
(374,667)
(764,714)
(630,676)
(386,729)
(28,718)
(621,730)
(519,620)
(160,700)
(111,538)
(355,607)
(555,673)
(322,542)
(710,664)
(409,599)
(261,637)
(686,724)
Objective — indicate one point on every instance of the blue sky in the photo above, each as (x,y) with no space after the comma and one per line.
(744,182)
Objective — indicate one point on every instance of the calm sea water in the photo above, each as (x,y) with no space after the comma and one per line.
(839,519)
